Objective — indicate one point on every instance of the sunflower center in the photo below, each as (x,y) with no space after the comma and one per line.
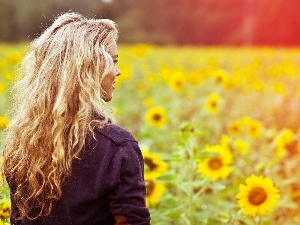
(179,83)
(220,79)
(235,128)
(257,196)
(213,104)
(149,187)
(6,210)
(156,117)
(215,163)
(149,162)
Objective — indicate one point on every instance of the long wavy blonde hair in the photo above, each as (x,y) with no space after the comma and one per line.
(55,101)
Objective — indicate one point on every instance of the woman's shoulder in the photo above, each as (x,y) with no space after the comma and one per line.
(115,133)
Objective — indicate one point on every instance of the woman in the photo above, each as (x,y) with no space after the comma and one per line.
(65,160)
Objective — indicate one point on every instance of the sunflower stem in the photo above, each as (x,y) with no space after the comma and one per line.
(259,220)
(190,149)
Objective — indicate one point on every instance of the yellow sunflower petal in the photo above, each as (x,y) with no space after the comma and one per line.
(258,196)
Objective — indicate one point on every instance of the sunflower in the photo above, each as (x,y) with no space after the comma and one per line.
(212,104)
(3,87)
(9,76)
(5,209)
(216,167)
(154,166)
(165,73)
(3,223)
(258,196)
(241,146)
(235,128)
(156,117)
(154,191)
(280,88)
(13,58)
(284,138)
(177,81)
(254,128)
(193,78)
(257,85)
(4,121)
(221,76)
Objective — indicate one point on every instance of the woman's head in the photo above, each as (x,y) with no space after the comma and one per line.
(75,53)
(67,77)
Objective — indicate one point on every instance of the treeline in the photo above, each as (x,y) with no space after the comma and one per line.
(202,22)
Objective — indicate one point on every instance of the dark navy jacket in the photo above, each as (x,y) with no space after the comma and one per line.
(108,180)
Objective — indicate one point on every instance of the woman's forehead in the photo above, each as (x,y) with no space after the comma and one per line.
(113,49)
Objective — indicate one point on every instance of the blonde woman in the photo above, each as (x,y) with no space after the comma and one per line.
(65,160)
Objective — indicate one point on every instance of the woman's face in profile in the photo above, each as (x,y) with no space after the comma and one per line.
(108,80)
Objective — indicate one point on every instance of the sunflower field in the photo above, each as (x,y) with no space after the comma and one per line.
(218,128)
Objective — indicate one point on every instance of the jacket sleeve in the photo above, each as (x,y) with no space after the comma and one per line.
(128,191)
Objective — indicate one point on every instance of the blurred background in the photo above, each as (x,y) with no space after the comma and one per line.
(180,22)
(230,68)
